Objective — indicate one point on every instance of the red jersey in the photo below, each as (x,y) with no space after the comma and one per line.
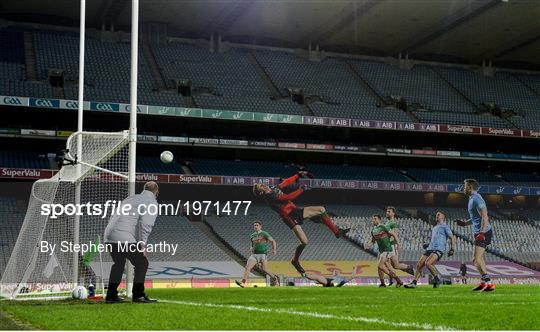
(281,202)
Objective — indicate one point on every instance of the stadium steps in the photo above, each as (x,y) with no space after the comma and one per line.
(58,92)
(270,85)
(186,169)
(307,110)
(413,116)
(190,102)
(362,82)
(370,252)
(408,176)
(30,56)
(512,123)
(452,87)
(530,88)
(152,64)
(207,230)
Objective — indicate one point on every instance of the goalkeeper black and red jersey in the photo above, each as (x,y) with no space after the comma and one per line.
(282,202)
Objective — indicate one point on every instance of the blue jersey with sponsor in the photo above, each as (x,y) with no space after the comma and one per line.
(439,235)
(476,204)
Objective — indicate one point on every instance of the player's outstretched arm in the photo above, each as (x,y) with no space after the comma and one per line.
(288,181)
(291,196)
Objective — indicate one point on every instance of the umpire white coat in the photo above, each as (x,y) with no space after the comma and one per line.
(132,226)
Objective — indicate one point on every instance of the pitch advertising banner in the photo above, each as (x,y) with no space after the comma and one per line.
(329,268)
(369,269)
(181,270)
(495,269)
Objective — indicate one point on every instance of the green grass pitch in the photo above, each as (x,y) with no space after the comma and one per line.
(288,308)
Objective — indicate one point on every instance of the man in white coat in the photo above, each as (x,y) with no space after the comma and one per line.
(127,234)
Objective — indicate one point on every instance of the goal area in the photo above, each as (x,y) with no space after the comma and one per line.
(94,171)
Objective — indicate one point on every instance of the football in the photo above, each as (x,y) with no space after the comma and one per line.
(166,157)
(79,293)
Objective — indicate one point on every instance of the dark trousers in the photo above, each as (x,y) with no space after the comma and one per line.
(140,263)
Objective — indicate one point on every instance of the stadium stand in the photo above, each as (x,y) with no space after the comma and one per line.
(419,85)
(523,248)
(450,175)
(23,159)
(12,67)
(370,173)
(522,179)
(531,81)
(193,244)
(478,120)
(503,89)
(340,95)
(231,81)
(240,168)
(534,214)
(11,219)
(354,210)
(148,164)
(235,230)
(413,233)
(106,68)
(275,169)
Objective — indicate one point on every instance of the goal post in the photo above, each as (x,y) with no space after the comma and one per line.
(99,173)
(133,119)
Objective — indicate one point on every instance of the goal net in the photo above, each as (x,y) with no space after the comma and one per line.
(96,175)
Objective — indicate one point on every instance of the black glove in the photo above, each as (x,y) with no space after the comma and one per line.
(451,253)
(425,245)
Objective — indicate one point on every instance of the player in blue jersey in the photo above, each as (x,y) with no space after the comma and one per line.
(440,234)
(482,231)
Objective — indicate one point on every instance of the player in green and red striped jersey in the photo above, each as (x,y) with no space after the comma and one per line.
(259,248)
(394,262)
(381,235)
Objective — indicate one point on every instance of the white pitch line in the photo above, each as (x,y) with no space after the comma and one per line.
(419,326)
(479,294)
(440,304)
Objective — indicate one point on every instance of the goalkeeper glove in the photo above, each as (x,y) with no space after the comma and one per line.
(451,252)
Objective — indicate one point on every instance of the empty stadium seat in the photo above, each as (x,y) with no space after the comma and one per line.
(230,81)
(23,159)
